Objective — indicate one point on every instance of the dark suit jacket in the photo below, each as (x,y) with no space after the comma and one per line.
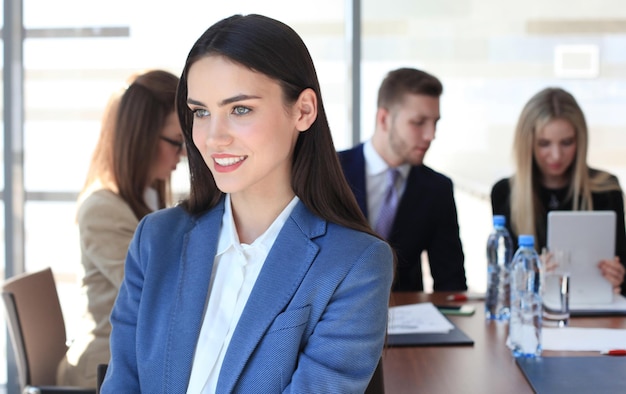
(426,220)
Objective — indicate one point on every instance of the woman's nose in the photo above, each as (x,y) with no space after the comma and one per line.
(217,132)
(555,152)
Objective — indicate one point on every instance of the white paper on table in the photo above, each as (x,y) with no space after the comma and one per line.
(583,339)
(423,317)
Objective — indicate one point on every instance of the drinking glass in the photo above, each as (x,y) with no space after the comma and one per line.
(556,287)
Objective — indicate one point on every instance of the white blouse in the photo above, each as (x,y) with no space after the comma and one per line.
(235,270)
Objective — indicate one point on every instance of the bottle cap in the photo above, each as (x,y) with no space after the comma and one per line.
(499,220)
(526,240)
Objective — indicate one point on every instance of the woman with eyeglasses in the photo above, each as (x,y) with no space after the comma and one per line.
(140,144)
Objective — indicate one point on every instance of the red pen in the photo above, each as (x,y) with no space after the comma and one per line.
(615,352)
(465,297)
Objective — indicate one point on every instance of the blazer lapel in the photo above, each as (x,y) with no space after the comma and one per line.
(286,265)
(353,162)
(198,253)
(410,203)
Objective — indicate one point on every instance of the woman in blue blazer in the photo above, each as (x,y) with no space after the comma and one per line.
(267,279)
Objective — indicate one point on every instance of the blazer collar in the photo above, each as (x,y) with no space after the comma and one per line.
(196,266)
(284,269)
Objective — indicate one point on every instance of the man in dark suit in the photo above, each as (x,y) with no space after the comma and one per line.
(425,216)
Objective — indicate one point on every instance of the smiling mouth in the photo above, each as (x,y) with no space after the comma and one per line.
(229,161)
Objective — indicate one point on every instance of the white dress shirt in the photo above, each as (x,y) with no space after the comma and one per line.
(235,270)
(376,180)
(151,197)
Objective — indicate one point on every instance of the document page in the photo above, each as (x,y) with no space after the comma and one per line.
(583,339)
(417,318)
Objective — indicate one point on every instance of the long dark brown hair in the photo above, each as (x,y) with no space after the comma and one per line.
(272,48)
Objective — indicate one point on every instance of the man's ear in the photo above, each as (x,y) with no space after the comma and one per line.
(306,109)
(383,119)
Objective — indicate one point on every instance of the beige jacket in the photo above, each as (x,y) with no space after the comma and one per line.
(106,225)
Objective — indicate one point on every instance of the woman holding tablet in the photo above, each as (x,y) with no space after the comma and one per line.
(550,151)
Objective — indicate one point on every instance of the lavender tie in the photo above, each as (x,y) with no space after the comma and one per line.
(388,209)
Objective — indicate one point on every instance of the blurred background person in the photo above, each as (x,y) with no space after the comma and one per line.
(551,173)
(424,215)
(140,144)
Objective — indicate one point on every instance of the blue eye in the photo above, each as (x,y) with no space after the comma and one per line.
(200,113)
(240,110)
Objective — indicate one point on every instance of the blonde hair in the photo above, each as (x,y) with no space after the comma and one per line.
(526,208)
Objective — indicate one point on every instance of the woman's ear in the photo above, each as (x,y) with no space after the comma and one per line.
(306,109)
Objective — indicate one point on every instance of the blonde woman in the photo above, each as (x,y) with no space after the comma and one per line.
(550,152)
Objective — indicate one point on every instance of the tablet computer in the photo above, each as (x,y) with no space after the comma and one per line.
(589,236)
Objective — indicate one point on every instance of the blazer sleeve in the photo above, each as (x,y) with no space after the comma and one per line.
(445,253)
(122,373)
(106,225)
(341,354)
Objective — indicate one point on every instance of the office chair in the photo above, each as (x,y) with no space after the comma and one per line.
(101,373)
(37,331)
(377,383)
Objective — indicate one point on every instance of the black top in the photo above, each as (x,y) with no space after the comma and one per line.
(556,200)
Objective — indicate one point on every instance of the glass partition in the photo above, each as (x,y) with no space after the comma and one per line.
(492,56)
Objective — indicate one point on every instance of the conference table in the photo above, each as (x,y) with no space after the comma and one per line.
(485,367)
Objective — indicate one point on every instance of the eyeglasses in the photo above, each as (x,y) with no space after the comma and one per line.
(177,144)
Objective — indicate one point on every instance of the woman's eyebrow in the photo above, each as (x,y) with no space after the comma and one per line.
(230,100)
(191,101)
(239,97)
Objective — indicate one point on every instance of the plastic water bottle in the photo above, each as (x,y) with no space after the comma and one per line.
(499,254)
(525,323)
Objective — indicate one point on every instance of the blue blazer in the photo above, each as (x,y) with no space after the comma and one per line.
(315,320)
(426,219)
